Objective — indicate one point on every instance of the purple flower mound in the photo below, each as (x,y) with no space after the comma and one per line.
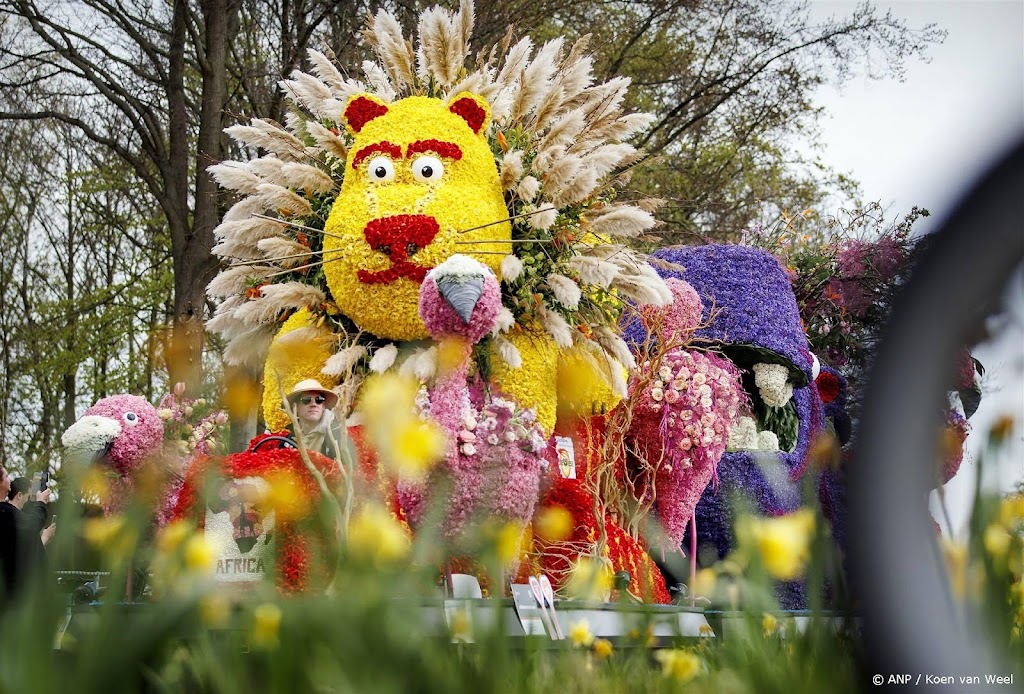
(751,293)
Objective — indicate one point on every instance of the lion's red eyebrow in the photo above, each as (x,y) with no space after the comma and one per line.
(449,150)
(385,147)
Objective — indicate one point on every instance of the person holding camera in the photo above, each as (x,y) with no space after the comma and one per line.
(23,531)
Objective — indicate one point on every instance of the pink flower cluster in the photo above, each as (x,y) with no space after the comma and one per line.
(681,317)
(861,266)
(681,424)
(493,467)
(193,438)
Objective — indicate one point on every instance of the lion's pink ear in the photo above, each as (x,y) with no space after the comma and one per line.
(361,109)
(473,109)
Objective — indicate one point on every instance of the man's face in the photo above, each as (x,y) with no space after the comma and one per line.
(5,484)
(311,407)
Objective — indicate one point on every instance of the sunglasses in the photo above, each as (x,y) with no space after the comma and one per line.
(318,399)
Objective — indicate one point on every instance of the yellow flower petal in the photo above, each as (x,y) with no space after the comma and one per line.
(580,635)
(678,664)
(266,625)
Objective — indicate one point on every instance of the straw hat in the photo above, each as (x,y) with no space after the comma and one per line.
(311,385)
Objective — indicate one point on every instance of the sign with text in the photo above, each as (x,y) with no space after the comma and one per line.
(240,526)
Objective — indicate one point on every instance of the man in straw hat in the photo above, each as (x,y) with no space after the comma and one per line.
(314,408)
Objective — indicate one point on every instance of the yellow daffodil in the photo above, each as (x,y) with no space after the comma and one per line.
(955,555)
(266,624)
(580,635)
(461,626)
(602,648)
(507,542)
(553,524)
(769,624)
(200,556)
(112,535)
(590,579)
(286,496)
(214,610)
(1011,510)
(375,536)
(678,664)
(784,543)
(997,540)
(170,537)
(416,447)
(704,583)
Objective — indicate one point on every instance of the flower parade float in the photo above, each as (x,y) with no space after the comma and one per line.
(377,197)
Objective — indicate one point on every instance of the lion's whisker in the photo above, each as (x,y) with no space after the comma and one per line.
(507,241)
(507,219)
(296,225)
(285,257)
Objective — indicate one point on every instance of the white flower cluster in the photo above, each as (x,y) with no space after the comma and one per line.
(745,436)
(772,383)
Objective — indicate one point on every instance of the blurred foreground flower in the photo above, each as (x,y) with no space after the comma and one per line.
(784,543)
(417,446)
(375,536)
(955,554)
(200,556)
(111,535)
(553,524)
(580,634)
(170,537)
(406,445)
(286,495)
(678,664)
(769,624)
(214,610)
(590,579)
(266,623)
(602,648)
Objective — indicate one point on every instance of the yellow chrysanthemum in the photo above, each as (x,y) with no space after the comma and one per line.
(1011,510)
(533,384)
(294,361)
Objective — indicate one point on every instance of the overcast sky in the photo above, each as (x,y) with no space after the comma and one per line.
(922,142)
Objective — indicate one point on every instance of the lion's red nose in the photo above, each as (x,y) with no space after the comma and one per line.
(398,237)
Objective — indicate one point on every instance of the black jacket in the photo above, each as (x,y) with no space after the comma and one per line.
(21,549)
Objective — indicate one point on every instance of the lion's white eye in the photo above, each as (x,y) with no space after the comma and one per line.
(131,418)
(427,169)
(381,169)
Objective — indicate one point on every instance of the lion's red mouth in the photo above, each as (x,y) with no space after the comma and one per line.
(399,237)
